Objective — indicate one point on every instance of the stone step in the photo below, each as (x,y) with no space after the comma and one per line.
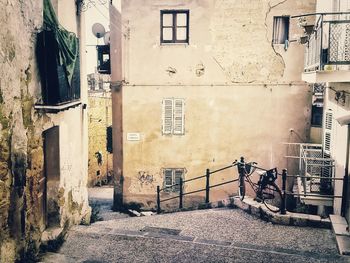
(342,235)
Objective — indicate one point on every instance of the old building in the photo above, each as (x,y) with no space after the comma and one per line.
(205,82)
(100,164)
(43,124)
(327,65)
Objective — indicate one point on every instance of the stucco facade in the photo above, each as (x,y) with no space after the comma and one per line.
(43,156)
(242,95)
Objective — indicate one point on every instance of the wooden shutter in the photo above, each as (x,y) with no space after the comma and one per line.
(179,116)
(167,127)
(168,178)
(177,175)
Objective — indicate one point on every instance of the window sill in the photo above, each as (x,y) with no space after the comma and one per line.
(174,44)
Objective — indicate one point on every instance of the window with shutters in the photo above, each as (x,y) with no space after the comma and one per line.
(173,116)
(172,178)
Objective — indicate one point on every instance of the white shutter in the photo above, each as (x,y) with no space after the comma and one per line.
(179,116)
(167,127)
(327,136)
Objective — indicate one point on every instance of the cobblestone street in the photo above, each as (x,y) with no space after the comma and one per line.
(214,235)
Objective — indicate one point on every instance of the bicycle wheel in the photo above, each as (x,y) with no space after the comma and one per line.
(271,197)
(241,187)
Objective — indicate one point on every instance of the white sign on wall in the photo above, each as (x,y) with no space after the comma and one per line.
(133,136)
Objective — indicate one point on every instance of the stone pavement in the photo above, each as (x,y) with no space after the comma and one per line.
(213,235)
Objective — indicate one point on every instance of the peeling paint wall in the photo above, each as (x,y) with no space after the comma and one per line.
(242,94)
(21,136)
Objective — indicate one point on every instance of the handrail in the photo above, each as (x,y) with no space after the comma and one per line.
(181,193)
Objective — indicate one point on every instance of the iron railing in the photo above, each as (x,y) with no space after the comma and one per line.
(316,170)
(329,41)
(181,187)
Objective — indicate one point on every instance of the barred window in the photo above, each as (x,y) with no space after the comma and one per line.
(171,177)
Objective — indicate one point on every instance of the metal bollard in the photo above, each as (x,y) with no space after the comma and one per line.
(180,194)
(284,199)
(158,199)
(207,186)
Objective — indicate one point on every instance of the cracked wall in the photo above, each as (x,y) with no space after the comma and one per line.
(242,94)
(21,140)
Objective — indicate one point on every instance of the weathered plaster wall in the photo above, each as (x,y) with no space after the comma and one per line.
(21,141)
(339,140)
(245,103)
(100,117)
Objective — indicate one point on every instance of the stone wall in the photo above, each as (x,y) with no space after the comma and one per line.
(100,117)
(21,137)
(246,100)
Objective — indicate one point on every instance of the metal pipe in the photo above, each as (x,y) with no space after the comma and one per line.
(346,176)
(326,14)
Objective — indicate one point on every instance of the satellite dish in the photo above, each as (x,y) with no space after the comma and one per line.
(107,38)
(98,30)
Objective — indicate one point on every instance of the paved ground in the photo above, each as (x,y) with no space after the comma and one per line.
(215,235)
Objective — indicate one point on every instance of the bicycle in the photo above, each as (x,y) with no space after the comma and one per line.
(266,189)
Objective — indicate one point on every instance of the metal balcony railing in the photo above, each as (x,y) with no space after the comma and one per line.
(316,168)
(328,43)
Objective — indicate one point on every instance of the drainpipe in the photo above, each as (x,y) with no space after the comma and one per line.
(346,176)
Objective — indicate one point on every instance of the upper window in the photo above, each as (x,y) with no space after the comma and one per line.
(280,29)
(174,26)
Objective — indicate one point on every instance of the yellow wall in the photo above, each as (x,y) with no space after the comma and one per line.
(245,103)
(100,117)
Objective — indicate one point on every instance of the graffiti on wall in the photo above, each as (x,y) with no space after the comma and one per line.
(145,178)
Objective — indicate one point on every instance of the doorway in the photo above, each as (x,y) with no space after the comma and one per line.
(51,177)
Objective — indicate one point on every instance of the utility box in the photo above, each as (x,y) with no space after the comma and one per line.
(103,59)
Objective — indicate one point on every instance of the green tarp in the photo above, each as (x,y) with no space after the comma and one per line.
(67,41)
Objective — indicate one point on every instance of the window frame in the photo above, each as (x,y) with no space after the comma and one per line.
(174,26)
(173,179)
(174,124)
(274,42)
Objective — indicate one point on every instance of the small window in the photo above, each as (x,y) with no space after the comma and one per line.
(109,139)
(171,177)
(280,29)
(316,116)
(174,26)
(173,116)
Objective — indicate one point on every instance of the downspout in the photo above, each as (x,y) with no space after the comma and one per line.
(346,176)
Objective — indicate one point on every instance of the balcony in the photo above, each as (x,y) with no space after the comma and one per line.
(315,178)
(58,91)
(327,49)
